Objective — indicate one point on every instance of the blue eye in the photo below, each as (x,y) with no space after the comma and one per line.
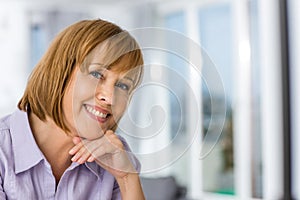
(123,86)
(96,74)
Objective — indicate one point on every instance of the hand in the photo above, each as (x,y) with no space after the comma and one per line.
(108,152)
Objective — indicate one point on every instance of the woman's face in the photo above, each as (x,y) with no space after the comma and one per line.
(96,98)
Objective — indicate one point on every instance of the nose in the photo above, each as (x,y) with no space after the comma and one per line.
(105,93)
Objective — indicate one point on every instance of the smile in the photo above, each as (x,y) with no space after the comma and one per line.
(97,113)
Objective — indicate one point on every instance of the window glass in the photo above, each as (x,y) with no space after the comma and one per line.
(38,42)
(175,22)
(178,83)
(216,39)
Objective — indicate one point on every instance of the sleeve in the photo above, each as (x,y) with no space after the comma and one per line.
(2,194)
(116,195)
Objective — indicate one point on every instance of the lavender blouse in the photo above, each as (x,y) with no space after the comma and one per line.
(25,174)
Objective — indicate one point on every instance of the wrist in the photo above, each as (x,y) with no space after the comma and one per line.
(128,179)
(130,187)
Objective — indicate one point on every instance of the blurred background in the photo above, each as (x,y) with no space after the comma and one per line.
(229,126)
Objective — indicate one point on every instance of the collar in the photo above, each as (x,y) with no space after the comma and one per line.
(26,152)
(95,168)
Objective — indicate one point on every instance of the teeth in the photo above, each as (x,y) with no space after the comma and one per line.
(96,112)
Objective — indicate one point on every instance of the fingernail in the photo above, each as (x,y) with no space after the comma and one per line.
(80,161)
(90,159)
(73,158)
(71,151)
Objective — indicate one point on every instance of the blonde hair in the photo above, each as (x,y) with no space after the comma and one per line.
(48,81)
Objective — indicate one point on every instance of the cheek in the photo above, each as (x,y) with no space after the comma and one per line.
(81,93)
(68,105)
(120,105)
(83,90)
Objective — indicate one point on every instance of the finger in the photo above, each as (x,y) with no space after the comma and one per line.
(76,148)
(84,157)
(99,152)
(85,150)
(115,141)
(91,159)
(93,147)
(79,143)
(109,132)
(78,154)
(76,140)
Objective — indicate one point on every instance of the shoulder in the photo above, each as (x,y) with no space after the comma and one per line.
(4,123)
(5,142)
(5,131)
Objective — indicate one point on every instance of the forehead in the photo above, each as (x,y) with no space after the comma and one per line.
(116,58)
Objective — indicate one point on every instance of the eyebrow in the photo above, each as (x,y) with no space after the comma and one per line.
(101,65)
(128,78)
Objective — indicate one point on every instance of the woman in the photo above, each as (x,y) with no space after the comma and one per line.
(61,143)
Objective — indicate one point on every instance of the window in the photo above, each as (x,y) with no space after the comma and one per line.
(216,39)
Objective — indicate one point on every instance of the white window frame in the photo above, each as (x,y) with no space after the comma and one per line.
(294,29)
(271,90)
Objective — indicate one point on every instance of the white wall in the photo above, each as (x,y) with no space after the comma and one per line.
(14,55)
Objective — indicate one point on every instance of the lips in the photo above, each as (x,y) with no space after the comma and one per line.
(97,113)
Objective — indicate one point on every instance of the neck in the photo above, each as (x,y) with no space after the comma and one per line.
(52,140)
